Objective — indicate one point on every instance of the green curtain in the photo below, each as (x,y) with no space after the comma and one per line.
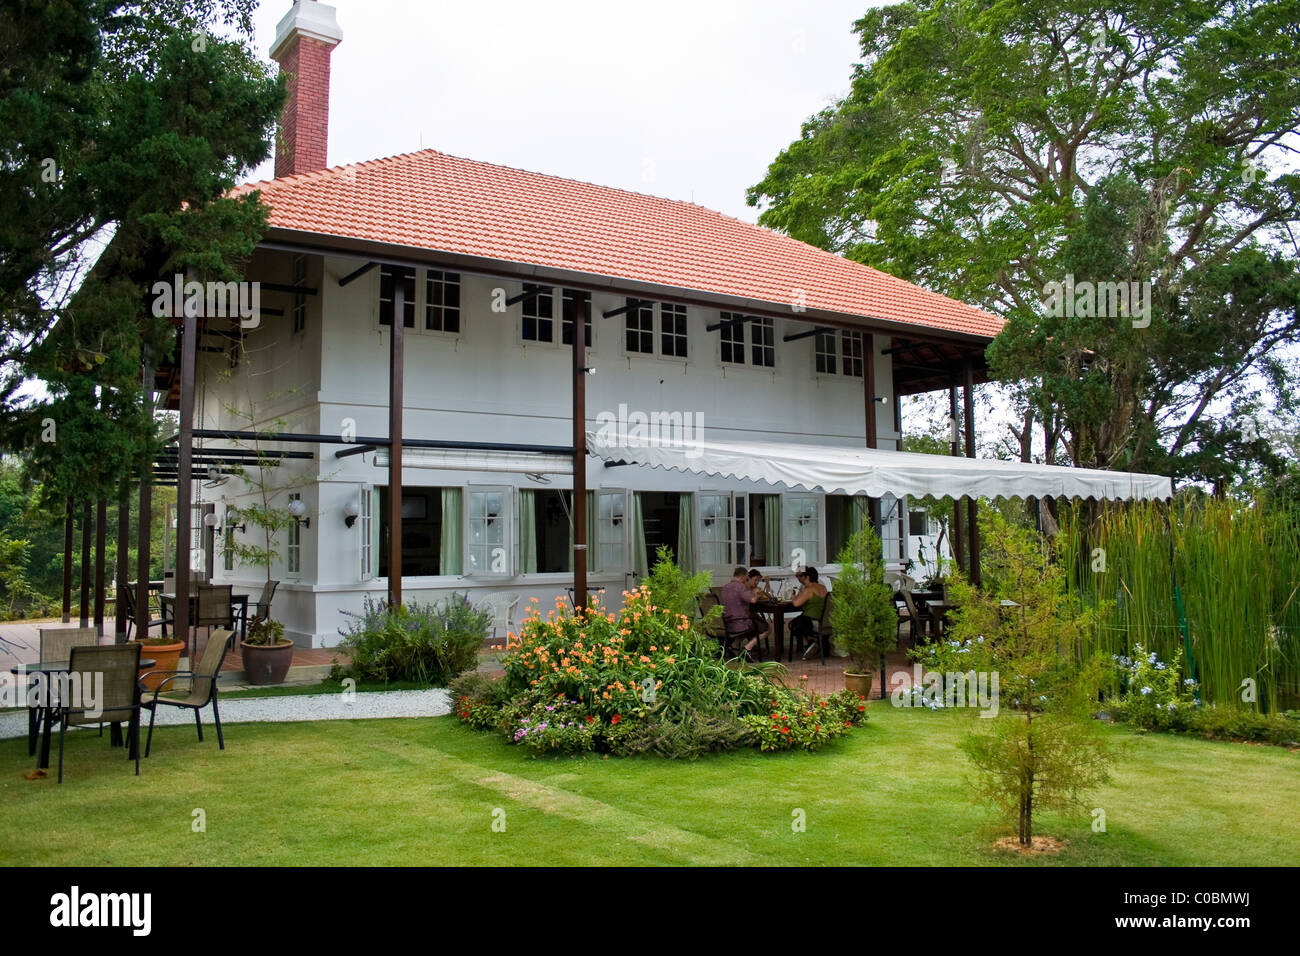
(527,531)
(638,539)
(686,532)
(859,513)
(593,534)
(772,529)
(449,553)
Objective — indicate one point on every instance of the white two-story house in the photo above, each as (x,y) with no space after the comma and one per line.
(706,337)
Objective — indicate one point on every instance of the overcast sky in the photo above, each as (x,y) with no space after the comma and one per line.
(687,100)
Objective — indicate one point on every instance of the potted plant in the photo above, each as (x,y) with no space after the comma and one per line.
(267,655)
(165,652)
(862,613)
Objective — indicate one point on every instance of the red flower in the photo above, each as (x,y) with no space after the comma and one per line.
(616,718)
(861,707)
(785,730)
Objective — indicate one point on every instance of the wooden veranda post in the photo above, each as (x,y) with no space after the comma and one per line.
(972,505)
(67,562)
(869,401)
(86,521)
(123,560)
(396,367)
(101,542)
(145,515)
(184,490)
(958,537)
(579,451)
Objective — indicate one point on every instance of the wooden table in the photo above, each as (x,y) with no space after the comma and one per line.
(778,609)
(168,599)
(48,669)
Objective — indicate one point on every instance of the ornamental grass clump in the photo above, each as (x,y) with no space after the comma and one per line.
(425,643)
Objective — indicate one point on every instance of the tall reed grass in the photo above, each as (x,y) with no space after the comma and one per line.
(1237,566)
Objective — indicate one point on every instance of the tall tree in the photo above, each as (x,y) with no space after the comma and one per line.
(989,148)
(125,125)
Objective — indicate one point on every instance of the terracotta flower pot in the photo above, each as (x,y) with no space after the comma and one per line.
(860,684)
(266,665)
(166,657)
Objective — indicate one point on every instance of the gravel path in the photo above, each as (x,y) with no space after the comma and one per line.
(365,706)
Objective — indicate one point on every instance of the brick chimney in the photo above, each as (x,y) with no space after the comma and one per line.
(304,40)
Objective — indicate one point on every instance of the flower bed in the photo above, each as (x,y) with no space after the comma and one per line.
(642,680)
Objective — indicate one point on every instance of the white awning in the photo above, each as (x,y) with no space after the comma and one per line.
(833,469)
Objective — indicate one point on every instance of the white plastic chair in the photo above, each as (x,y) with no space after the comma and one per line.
(502,608)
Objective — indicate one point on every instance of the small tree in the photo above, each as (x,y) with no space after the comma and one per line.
(1023,628)
(862,613)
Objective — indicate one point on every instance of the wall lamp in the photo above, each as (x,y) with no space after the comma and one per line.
(350,512)
(298,508)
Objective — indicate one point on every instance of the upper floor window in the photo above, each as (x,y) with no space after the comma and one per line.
(761,336)
(640,324)
(442,301)
(839,353)
(389,279)
(538,314)
(672,330)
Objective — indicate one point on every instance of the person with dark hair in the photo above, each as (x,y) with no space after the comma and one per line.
(737,600)
(811,599)
(764,626)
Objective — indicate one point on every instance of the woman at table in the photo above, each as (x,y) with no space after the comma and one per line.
(811,599)
(765,627)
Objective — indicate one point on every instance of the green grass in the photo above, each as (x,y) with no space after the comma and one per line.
(423,791)
(326,686)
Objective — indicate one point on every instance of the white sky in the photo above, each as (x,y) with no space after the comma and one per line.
(686,100)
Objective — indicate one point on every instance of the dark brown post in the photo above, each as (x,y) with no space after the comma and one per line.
(579,448)
(869,401)
(101,528)
(396,361)
(123,560)
(184,490)
(67,563)
(85,563)
(958,537)
(144,526)
(972,506)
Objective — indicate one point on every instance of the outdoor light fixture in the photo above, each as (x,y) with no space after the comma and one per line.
(882,399)
(588,371)
(233,523)
(211,520)
(297,508)
(350,511)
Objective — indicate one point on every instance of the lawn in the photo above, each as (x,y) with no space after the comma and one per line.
(425,791)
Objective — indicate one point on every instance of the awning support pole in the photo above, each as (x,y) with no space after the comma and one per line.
(396,372)
(958,536)
(972,506)
(67,562)
(144,519)
(184,488)
(580,309)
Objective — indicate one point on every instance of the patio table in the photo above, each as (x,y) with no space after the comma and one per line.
(34,714)
(778,610)
(238,604)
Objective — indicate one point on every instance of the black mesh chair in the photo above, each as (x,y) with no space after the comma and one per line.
(202,687)
(118,701)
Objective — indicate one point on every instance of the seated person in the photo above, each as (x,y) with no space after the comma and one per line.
(811,599)
(764,626)
(737,596)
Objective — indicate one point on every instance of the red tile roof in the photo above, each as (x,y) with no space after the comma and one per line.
(431,201)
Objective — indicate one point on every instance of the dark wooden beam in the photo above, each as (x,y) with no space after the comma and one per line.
(144,521)
(67,562)
(795,336)
(530,293)
(972,502)
(396,369)
(123,561)
(357,273)
(738,320)
(632,304)
(101,528)
(86,521)
(958,535)
(580,308)
(291,289)
(184,487)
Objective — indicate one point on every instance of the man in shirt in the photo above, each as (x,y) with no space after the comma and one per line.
(737,596)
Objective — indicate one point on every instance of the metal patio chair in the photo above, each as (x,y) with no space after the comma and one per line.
(202,690)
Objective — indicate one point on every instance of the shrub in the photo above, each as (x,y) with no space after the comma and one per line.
(1153,695)
(642,680)
(862,616)
(1236,723)
(807,722)
(415,642)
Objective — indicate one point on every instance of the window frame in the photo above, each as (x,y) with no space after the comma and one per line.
(737,529)
(442,278)
(293,542)
(732,336)
(507,520)
(789,543)
(368,545)
(419,305)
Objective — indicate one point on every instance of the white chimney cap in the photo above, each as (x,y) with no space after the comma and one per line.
(307,18)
